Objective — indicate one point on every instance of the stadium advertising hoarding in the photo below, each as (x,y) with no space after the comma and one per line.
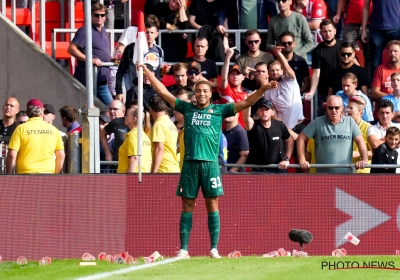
(67,215)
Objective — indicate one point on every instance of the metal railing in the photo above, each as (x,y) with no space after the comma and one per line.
(112,33)
(275,166)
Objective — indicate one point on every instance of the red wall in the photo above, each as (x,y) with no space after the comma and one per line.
(65,216)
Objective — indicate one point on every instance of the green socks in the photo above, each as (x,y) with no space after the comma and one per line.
(213,228)
(185,226)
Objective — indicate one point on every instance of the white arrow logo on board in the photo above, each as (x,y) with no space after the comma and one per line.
(364,216)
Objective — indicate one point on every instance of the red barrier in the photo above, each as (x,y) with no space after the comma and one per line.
(64,216)
(257,213)
(61,216)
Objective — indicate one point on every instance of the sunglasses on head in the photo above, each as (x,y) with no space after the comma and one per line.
(286,44)
(348,54)
(251,42)
(191,72)
(283,1)
(330,108)
(99,15)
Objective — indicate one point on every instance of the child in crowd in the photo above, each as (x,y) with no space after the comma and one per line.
(386,152)
(395,97)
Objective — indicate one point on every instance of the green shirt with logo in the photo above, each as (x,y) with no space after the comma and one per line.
(203,129)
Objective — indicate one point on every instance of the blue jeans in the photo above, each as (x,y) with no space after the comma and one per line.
(104,94)
(378,40)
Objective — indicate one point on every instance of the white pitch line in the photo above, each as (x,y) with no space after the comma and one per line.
(126,270)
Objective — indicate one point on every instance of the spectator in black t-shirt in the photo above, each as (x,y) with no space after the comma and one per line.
(204,12)
(208,66)
(115,126)
(172,15)
(8,123)
(297,63)
(269,140)
(386,152)
(347,57)
(325,58)
(238,144)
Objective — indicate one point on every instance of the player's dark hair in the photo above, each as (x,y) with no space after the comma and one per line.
(157,104)
(393,131)
(384,103)
(286,33)
(203,83)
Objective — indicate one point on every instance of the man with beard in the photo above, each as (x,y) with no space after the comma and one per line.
(347,54)
(194,75)
(325,58)
(382,82)
(286,98)
(296,62)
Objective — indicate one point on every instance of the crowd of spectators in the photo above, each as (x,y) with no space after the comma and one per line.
(311,50)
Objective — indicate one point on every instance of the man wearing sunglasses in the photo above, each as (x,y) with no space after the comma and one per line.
(347,57)
(333,136)
(296,23)
(194,75)
(248,61)
(296,62)
(101,53)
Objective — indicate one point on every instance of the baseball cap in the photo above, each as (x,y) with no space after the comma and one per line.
(49,109)
(235,68)
(265,103)
(34,103)
(105,118)
(194,64)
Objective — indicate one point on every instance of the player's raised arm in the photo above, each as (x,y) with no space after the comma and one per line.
(158,86)
(252,99)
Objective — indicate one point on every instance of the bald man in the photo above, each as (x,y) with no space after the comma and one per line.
(10,110)
(333,137)
(117,126)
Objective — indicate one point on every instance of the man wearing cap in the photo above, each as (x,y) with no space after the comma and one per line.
(333,140)
(49,116)
(194,75)
(8,123)
(208,66)
(148,91)
(33,145)
(269,139)
(69,115)
(231,84)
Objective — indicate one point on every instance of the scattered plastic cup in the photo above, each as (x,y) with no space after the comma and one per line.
(235,255)
(88,257)
(110,258)
(45,261)
(272,254)
(282,252)
(131,260)
(102,256)
(397,253)
(351,238)
(1,259)
(339,252)
(299,254)
(22,260)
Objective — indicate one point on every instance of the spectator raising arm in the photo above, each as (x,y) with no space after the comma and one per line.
(158,86)
(287,70)
(225,68)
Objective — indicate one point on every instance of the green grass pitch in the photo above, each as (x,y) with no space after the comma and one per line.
(207,268)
